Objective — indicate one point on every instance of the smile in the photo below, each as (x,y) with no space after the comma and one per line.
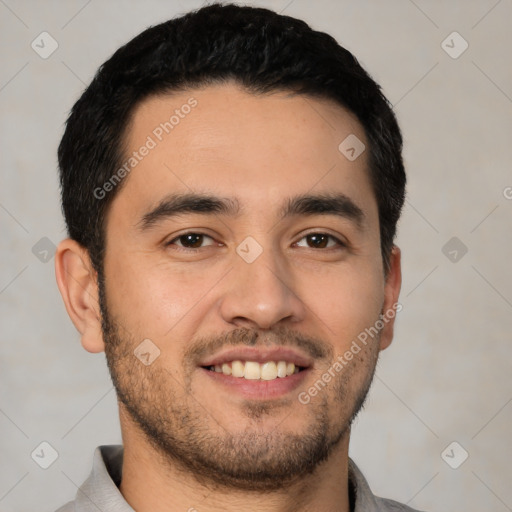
(252,370)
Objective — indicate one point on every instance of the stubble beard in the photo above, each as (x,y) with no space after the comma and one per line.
(187,437)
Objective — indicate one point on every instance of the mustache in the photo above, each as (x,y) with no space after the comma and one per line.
(279,337)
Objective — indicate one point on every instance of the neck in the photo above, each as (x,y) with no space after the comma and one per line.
(150,483)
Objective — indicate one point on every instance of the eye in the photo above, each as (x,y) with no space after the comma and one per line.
(189,240)
(321,241)
(193,241)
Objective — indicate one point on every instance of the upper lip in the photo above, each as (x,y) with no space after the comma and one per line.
(259,355)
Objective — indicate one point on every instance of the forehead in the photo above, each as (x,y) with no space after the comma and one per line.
(257,148)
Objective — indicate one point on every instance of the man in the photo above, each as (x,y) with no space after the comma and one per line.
(231,182)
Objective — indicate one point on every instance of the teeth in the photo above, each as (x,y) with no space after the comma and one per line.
(252,370)
(269,371)
(237,369)
(281,369)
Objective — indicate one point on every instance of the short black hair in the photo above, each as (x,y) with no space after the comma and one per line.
(258,48)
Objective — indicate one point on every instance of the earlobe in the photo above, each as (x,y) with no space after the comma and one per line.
(78,285)
(391,294)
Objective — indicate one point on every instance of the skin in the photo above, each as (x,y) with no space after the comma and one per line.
(260,150)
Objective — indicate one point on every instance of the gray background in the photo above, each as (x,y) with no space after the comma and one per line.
(445,378)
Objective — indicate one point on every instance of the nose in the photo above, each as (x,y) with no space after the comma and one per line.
(261,294)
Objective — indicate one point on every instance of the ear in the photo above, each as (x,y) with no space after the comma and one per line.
(391,293)
(78,284)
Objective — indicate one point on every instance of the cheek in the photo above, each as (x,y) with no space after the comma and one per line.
(347,301)
(152,298)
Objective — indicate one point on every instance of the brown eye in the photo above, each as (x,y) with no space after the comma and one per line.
(190,240)
(320,241)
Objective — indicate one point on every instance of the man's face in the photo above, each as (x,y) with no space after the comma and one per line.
(213,286)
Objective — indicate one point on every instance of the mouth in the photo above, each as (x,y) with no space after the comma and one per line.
(259,373)
(253,370)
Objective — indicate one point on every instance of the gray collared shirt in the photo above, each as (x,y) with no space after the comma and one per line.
(100,492)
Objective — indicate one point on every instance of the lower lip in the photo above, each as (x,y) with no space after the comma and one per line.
(258,389)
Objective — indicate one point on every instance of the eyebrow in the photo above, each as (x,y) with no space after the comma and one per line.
(307,205)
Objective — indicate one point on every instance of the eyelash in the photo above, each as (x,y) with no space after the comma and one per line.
(341,245)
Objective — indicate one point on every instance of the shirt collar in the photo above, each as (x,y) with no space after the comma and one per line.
(100,491)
